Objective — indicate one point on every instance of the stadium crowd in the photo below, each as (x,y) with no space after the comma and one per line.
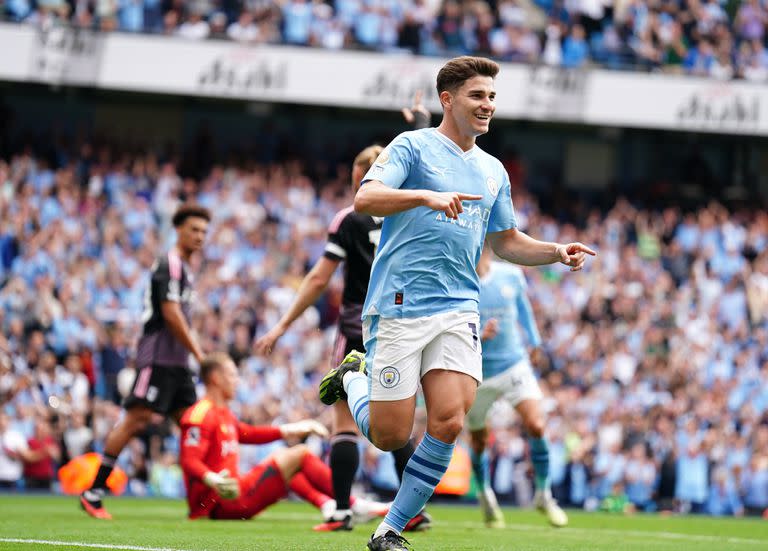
(714,38)
(657,371)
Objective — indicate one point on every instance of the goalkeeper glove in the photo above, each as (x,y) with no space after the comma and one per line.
(226,486)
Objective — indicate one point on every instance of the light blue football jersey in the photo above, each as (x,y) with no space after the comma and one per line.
(503,297)
(425,262)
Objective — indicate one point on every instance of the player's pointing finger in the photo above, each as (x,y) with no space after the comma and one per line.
(583,248)
(469,197)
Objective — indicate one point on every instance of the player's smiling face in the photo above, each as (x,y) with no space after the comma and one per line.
(473,105)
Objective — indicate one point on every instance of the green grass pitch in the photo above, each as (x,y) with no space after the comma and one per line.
(55,523)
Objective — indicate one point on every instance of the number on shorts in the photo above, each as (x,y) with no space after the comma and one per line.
(473,328)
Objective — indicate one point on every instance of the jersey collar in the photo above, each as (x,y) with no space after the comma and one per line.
(453,146)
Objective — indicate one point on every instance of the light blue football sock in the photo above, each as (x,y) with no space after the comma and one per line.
(422,474)
(356,387)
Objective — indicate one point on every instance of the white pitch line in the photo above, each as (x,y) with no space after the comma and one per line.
(88,545)
(569,530)
(643,534)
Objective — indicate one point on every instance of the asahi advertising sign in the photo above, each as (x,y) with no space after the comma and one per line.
(555,93)
(395,81)
(66,55)
(720,106)
(243,73)
(314,76)
(677,103)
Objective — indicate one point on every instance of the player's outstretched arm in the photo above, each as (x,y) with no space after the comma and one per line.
(517,247)
(312,286)
(377,199)
(263,434)
(257,434)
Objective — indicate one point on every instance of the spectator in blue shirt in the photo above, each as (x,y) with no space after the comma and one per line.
(723,495)
(754,484)
(368,26)
(640,477)
(700,59)
(575,48)
(577,478)
(297,22)
(131,15)
(610,466)
(692,480)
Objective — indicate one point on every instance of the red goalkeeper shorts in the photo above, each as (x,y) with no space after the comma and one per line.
(260,488)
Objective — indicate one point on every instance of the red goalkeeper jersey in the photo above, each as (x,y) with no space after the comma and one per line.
(210,438)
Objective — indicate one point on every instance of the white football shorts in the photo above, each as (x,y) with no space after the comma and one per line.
(515,384)
(400,351)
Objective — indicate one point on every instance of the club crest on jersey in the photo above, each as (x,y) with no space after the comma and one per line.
(493,186)
(389,377)
(507,291)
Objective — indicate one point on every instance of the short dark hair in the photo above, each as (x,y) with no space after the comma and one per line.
(211,363)
(190,210)
(460,69)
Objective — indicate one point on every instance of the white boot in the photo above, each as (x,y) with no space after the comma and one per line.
(492,514)
(547,504)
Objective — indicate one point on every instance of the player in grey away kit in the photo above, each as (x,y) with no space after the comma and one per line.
(163,382)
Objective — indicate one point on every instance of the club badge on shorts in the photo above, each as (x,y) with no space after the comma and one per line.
(389,377)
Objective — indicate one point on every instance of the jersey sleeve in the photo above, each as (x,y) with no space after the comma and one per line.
(393,165)
(503,213)
(257,434)
(195,441)
(167,280)
(338,242)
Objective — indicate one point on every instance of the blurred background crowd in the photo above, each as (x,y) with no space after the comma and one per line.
(657,356)
(723,39)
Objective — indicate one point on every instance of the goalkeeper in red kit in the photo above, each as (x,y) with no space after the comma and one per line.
(211,436)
